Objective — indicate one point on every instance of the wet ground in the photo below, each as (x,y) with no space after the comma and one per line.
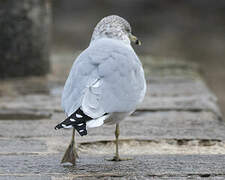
(176,133)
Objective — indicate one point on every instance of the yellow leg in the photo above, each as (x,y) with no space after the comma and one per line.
(117,156)
(71,153)
(117,133)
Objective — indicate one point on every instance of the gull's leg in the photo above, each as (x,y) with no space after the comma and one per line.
(117,156)
(117,133)
(71,153)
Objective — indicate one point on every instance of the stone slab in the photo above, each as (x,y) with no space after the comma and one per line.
(25,177)
(25,114)
(162,166)
(144,125)
(21,145)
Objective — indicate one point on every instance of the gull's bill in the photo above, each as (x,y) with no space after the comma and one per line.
(134,39)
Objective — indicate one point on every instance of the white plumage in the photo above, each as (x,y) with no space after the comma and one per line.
(113,83)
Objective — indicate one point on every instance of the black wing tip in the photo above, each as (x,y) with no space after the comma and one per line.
(83,133)
(79,123)
(58,127)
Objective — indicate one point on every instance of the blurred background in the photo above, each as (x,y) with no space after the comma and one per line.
(42,36)
(193,30)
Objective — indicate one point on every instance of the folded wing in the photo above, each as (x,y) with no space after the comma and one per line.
(107,77)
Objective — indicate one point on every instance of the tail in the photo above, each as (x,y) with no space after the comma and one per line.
(77,120)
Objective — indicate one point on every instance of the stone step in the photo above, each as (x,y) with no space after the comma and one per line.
(176,133)
(142,167)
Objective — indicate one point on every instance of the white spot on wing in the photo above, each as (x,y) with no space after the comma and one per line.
(81,130)
(79,116)
(80,124)
(72,120)
(65,126)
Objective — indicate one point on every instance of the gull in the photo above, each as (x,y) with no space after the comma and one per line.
(105,84)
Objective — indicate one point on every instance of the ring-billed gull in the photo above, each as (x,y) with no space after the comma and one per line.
(105,84)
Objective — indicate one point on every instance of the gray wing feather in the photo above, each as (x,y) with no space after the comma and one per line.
(77,82)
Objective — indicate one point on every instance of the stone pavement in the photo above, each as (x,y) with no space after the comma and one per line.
(176,133)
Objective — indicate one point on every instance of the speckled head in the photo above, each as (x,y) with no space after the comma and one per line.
(114,27)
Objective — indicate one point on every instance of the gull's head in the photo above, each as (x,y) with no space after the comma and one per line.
(114,27)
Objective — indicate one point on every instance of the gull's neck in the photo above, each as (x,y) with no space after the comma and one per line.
(115,34)
(111,40)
